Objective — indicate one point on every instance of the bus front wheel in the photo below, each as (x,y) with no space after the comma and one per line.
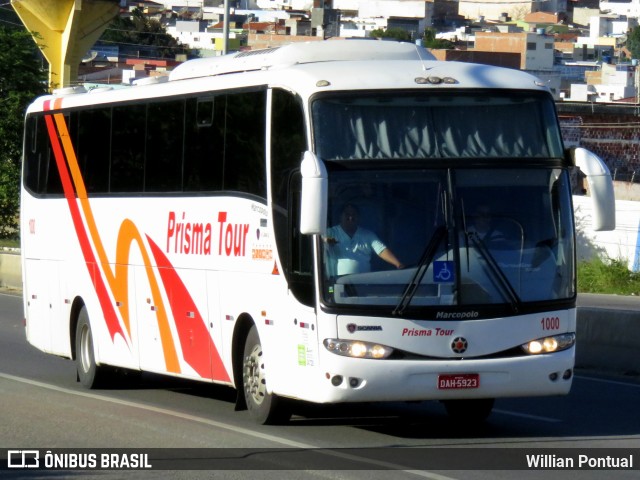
(90,375)
(265,408)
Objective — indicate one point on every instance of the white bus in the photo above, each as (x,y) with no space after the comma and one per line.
(197,227)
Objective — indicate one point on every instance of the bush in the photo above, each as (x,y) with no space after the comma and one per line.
(607,276)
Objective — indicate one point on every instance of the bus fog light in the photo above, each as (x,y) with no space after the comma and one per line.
(354,382)
(555,343)
(357,349)
(553,376)
(567,374)
(336,380)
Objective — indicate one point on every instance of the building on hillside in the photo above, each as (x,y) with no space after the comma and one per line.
(551,23)
(445,15)
(536,52)
(623,9)
(582,16)
(206,37)
(286,4)
(610,25)
(535,49)
(611,83)
(359,17)
(607,35)
(494,9)
(498,59)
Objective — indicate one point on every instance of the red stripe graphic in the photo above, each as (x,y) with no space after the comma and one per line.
(111,318)
(198,349)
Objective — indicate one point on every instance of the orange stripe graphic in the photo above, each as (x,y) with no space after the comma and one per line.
(118,281)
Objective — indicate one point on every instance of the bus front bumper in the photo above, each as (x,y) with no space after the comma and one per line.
(362,380)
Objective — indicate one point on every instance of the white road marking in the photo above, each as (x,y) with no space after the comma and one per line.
(612,382)
(528,416)
(226,426)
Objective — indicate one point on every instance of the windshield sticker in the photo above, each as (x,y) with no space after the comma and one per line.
(443,272)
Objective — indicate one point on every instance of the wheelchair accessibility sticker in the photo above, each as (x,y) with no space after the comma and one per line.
(443,272)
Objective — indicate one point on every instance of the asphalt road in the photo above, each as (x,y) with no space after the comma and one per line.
(43,407)
(614,302)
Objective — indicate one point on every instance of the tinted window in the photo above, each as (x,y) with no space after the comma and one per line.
(127,149)
(244,118)
(93,147)
(208,143)
(203,147)
(40,171)
(165,134)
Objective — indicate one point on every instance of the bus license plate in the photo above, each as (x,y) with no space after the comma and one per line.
(459,381)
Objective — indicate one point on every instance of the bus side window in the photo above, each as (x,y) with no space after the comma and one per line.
(33,152)
(163,152)
(243,117)
(202,147)
(41,172)
(93,148)
(127,154)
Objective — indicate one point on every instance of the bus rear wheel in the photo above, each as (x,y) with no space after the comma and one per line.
(469,411)
(265,408)
(90,375)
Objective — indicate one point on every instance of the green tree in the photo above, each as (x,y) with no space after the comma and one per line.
(633,42)
(22,78)
(143,32)
(429,40)
(397,33)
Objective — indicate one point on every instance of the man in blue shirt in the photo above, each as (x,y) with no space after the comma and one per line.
(351,246)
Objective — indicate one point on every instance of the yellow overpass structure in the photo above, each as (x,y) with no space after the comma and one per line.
(65,30)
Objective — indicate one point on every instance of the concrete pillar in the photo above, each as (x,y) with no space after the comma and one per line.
(65,30)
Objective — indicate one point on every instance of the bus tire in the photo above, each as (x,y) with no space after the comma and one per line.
(265,408)
(472,411)
(90,375)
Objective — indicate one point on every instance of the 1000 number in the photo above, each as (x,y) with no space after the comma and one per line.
(550,323)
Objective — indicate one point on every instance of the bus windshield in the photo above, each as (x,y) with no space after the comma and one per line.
(446,233)
(424,125)
(456,236)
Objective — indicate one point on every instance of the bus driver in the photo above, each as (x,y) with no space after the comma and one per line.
(350,246)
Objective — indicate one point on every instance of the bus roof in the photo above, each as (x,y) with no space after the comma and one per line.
(301,53)
(309,67)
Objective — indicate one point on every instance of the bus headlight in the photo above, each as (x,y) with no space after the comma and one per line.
(357,349)
(556,343)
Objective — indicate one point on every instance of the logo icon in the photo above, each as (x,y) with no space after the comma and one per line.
(352,327)
(443,272)
(459,345)
(23,459)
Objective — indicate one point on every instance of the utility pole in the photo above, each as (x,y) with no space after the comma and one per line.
(225,29)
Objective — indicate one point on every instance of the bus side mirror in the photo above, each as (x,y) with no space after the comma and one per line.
(313,204)
(600,186)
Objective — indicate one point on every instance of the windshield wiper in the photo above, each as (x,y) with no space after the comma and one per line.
(496,272)
(425,260)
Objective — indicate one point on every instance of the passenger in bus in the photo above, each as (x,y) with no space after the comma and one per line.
(482,226)
(350,246)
